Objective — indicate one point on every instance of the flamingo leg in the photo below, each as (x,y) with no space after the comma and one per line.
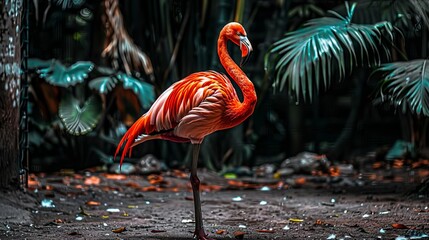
(195,182)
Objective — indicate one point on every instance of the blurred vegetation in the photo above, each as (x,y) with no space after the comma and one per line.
(318,67)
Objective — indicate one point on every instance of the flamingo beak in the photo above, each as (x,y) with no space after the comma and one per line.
(246,49)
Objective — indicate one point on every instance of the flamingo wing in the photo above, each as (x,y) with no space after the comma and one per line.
(187,111)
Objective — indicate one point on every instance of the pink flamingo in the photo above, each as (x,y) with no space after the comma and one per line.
(196,106)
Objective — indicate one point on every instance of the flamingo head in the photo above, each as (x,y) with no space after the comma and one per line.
(235,32)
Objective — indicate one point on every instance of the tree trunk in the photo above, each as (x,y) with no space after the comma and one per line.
(10,25)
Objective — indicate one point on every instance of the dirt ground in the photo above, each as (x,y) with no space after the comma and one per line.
(96,205)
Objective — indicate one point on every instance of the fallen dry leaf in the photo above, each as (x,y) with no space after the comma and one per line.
(152,189)
(296,220)
(155,179)
(210,188)
(133,185)
(118,230)
(93,180)
(115,176)
(398,163)
(93,203)
(111,188)
(32,181)
(220,231)
(239,234)
(59,220)
(318,222)
(334,171)
(399,226)
(179,173)
(300,181)
(266,231)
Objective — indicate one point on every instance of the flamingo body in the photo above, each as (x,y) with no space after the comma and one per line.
(196,106)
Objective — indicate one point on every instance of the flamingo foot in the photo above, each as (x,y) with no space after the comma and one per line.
(201,235)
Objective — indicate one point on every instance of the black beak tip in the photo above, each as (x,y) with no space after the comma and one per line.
(244,60)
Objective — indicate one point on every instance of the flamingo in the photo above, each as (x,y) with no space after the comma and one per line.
(196,106)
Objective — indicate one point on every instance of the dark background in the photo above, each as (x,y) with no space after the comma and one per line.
(341,121)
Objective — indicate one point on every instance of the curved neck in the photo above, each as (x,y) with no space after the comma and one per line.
(241,110)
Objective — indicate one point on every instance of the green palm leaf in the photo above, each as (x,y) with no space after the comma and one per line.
(77,119)
(409,16)
(104,84)
(144,91)
(406,84)
(59,75)
(35,63)
(325,48)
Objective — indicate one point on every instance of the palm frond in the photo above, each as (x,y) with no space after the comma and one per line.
(407,15)
(104,84)
(144,91)
(59,75)
(324,48)
(406,85)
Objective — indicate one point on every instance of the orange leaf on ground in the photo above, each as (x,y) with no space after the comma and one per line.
(210,188)
(152,189)
(59,220)
(398,163)
(239,234)
(32,181)
(318,222)
(111,188)
(266,231)
(132,185)
(115,176)
(399,226)
(300,181)
(220,231)
(118,230)
(93,203)
(179,173)
(155,179)
(334,171)
(93,180)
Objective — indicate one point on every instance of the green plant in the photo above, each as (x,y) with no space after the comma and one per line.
(79,100)
(325,47)
(328,48)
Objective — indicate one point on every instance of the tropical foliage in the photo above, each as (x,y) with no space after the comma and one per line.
(81,114)
(406,85)
(77,110)
(328,48)
(324,48)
